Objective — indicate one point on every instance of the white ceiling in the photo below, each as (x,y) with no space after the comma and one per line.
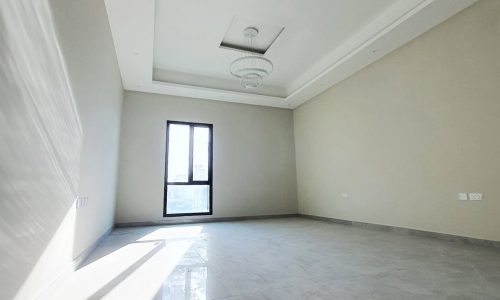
(172,46)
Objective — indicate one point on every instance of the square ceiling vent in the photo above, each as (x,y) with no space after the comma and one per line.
(235,39)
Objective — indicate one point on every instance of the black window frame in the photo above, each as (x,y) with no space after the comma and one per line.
(190,181)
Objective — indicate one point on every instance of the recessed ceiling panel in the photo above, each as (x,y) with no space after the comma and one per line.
(234,38)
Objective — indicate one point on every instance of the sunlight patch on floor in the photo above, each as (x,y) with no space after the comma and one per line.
(136,269)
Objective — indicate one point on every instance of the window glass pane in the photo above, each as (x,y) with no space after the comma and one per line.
(201,139)
(183,199)
(178,153)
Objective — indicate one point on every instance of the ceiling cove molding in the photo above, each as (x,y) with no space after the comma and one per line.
(409,20)
(132,25)
(191,91)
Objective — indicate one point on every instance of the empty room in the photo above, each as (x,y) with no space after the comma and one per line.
(229,149)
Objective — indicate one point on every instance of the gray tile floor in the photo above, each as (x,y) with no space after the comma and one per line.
(290,258)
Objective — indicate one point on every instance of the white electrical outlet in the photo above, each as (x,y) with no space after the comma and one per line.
(463,197)
(475,196)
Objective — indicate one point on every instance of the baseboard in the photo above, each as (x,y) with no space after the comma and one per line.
(77,261)
(72,266)
(408,231)
(204,220)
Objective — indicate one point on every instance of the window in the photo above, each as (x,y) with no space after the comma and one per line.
(188,169)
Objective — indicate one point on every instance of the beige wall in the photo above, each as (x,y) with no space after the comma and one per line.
(405,135)
(89,53)
(254,164)
(54,146)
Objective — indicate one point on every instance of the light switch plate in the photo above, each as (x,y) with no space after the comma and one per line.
(462,197)
(475,196)
(81,202)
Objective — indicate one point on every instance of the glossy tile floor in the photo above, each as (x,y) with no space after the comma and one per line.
(290,258)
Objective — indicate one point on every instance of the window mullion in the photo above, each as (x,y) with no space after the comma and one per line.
(191,143)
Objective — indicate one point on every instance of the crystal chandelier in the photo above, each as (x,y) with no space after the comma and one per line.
(251,69)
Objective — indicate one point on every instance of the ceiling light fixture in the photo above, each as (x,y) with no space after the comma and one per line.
(251,69)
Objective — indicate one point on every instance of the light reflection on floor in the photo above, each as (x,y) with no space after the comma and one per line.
(187,281)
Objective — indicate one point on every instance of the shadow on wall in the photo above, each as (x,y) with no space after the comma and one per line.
(40,143)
